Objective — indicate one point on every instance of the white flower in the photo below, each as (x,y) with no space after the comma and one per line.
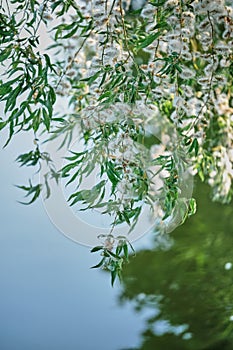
(100,16)
(222,48)
(122,108)
(175,45)
(188,14)
(188,18)
(205,25)
(226,183)
(224,62)
(148,12)
(158,93)
(200,7)
(186,32)
(187,90)
(174,21)
(157,210)
(213,174)
(98,4)
(227,33)
(171,3)
(194,106)
(178,101)
(187,56)
(187,73)
(230,154)
(220,79)
(174,116)
(204,81)
(173,36)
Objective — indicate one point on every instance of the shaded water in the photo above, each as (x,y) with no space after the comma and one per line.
(187,290)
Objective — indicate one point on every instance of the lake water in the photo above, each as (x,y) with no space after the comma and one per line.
(178,296)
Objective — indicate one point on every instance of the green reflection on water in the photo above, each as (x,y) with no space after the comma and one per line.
(188,288)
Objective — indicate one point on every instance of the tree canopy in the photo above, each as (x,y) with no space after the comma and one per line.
(148,90)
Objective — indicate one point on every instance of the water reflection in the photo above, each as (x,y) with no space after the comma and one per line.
(187,288)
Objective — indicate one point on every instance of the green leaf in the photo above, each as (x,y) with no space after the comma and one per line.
(192,207)
(194,146)
(79,196)
(92,78)
(126,217)
(161,25)
(96,249)
(31,190)
(201,175)
(11,133)
(99,264)
(71,33)
(2,124)
(76,155)
(4,54)
(113,277)
(119,249)
(113,175)
(148,40)
(178,68)
(30,159)
(46,119)
(126,251)
(48,191)
(12,98)
(36,115)
(113,254)
(104,95)
(87,196)
(157,3)
(73,178)
(5,88)
(66,169)
(52,95)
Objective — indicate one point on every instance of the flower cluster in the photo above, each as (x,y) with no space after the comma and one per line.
(130,71)
(166,64)
(148,85)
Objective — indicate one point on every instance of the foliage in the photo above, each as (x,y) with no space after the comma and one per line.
(113,261)
(124,73)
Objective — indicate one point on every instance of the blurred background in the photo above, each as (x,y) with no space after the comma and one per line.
(177,293)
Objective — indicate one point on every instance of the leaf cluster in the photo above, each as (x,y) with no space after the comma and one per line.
(113,260)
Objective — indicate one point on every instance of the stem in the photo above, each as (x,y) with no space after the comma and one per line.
(8,7)
(69,66)
(41,16)
(126,39)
